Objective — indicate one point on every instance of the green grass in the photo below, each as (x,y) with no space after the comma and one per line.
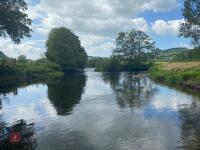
(34,70)
(181,73)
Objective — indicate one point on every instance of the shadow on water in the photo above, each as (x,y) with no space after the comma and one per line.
(131,90)
(19,136)
(66,92)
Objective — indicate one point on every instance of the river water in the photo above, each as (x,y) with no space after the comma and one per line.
(99,111)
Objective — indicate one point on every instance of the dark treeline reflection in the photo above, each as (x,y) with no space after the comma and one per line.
(131,90)
(19,136)
(13,86)
(66,92)
(190,117)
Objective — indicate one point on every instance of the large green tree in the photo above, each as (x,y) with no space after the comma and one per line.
(133,47)
(14,22)
(191,27)
(64,48)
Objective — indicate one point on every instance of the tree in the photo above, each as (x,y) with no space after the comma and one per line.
(22,59)
(191,27)
(132,47)
(64,48)
(2,56)
(13,21)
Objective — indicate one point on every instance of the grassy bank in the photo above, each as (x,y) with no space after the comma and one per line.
(186,74)
(27,72)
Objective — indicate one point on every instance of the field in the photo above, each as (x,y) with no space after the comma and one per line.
(180,66)
(181,73)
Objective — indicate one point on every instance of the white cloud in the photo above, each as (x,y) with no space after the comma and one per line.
(98,45)
(99,17)
(162,27)
(140,24)
(33,12)
(94,18)
(160,5)
(32,49)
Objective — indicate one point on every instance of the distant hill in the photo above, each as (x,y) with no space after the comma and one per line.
(170,54)
(95,57)
(177,49)
(2,55)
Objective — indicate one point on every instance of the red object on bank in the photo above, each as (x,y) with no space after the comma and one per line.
(15,137)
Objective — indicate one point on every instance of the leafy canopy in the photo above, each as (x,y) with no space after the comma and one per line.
(191,27)
(22,59)
(64,48)
(133,47)
(13,20)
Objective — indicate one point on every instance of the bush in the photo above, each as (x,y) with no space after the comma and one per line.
(109,65)
(7,70)
(28,69)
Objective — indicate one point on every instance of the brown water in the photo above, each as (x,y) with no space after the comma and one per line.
(99,111)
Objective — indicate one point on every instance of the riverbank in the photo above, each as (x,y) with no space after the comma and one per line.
(186,74)
(19,73)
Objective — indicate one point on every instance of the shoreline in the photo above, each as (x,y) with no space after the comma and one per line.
(184,74)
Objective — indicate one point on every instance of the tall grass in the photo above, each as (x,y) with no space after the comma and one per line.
(181,73)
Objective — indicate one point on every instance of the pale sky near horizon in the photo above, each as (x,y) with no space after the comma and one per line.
(97,23)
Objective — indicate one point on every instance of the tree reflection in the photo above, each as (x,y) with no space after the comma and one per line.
(131,90)
(190,117)
(66,92)
(19,136)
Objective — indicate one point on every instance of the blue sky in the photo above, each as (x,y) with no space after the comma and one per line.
(97,23)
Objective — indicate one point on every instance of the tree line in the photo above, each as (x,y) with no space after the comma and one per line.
(134,50)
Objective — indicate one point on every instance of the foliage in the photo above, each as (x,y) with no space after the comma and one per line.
(178,54)
(171,54)
(64,48)
(191,27)
(182,73)
(13,20)
(22,59)
(42,61)
(189,55)
(134,51)
(111,64)
(28,69)
(92,61)
(2,56)
(132,48)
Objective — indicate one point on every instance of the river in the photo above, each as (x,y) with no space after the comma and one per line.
(100,111)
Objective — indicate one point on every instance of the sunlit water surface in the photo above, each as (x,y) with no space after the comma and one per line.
(102,111)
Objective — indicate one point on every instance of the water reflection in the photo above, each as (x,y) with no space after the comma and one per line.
(66,92)
(13,86)
(19,136)
(131,90)
(163,118)
(190,117)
